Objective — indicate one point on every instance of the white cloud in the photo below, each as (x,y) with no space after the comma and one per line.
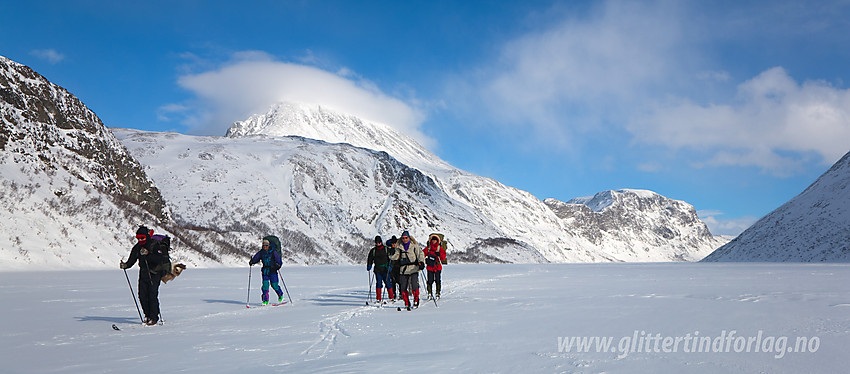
(655,72)
(253,81)
(51,55)
(165,112)
(723,226)
(650,167)
(771,116)
(573,75)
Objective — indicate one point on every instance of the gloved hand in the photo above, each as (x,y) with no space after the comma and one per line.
(124,265)
(421,266)
(144,251)
(368,267)
(251,263)
(390,267)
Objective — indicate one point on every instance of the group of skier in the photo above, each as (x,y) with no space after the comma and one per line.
(397,263)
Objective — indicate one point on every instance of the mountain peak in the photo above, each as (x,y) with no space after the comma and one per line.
(322,123)
(605,199)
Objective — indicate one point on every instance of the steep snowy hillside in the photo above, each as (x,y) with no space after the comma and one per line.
(70,193)
(326,201)
(517,214)
(71,196)
(814,226)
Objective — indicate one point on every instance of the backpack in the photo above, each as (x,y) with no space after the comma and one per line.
(161,245)
(443,245)
(274,242)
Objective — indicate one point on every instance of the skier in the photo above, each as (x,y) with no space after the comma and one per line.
(434,257)
(394,267)
(411,260)
(379,256)
(149,277)
(271,264)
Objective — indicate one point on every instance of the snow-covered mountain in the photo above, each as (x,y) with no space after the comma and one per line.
(638,221)
(644,232)
(814,226)
(73,193)
(70,195)
(325,201)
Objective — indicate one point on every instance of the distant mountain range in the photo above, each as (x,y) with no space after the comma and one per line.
(325,182)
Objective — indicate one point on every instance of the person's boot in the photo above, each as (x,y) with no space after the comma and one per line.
(391,294)
(378,292)
(404,296)
(438,290)
(416,298)
(430,293)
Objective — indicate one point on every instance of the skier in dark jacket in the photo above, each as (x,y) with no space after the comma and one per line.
(271,264)
(381,258)
(149,278)
(394,267)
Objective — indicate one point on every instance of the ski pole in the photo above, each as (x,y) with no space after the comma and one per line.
(284,285)
(369,290)
(133,293)
(247,301)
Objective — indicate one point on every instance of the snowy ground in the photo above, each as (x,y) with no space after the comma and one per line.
(492,318)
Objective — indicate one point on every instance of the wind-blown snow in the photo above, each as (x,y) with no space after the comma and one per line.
(492,318)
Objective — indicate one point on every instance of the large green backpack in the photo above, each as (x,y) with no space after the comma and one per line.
(274,242)
(443,243)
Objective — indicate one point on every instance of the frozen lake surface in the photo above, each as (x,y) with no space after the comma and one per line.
(649,318)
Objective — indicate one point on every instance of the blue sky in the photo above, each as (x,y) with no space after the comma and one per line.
(732,106)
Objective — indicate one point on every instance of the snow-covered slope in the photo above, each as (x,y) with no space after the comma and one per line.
(814,226)
(515,213)
(325,201)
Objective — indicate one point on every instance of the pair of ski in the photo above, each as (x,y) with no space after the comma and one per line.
(382,304)
(267,305)
(377,304)
(116,328)
(431,299)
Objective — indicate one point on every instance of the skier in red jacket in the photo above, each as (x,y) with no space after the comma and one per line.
(435,255)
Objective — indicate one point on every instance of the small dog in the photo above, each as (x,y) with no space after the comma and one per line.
(175,270)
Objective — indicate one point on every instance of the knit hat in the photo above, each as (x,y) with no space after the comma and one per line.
(405,233)
(143,230)
(378,239)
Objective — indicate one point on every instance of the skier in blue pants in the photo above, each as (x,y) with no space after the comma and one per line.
(271,264)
